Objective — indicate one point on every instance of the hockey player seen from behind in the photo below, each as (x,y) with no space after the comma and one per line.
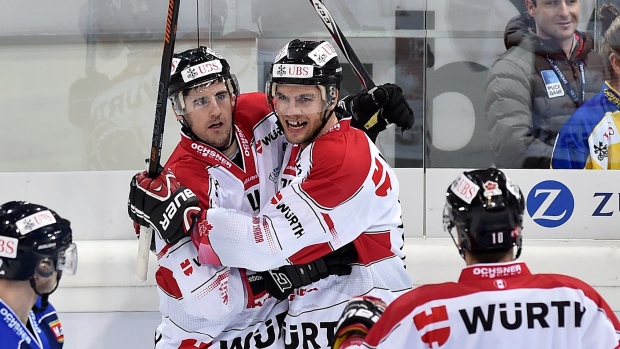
(36,249)
(497,302)
(334,192)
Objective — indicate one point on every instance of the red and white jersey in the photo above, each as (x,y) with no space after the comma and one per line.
(499,305)
(206,305)
(338,190)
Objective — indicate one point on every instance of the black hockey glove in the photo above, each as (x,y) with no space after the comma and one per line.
(397,110)
(358,317)
(163,204)
(373,110)
(282,281)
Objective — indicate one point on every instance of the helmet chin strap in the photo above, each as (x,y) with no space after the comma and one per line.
(44,296)
(326,118)
(458,247)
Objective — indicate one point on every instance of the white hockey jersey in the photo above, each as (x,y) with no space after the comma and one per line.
(338,190)
(500,305)
(213,306)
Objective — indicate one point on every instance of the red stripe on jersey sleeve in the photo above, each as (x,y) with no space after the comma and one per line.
(372,247)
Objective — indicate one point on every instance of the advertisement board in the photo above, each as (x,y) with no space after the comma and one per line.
(560,204)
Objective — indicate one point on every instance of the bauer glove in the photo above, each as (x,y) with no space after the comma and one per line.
(163,204)
(358,317)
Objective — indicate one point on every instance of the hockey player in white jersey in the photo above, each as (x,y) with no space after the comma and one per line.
(339,191)
(36,249)
(205,305)
(228,142)
(497,302)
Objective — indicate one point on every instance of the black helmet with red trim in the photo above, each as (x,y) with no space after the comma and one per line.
(196,67)
(306,63)
(487,208)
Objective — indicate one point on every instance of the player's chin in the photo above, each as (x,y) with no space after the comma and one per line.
(297,137)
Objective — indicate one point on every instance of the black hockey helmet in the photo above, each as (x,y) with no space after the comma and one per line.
(195,67)
(306,63)
(31,234)
(487,208)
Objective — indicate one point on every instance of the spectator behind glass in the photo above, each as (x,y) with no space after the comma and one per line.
(590,139)
(547,72)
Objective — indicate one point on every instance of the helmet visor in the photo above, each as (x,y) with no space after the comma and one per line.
(65,262)
(68,260)
(206,94)
(300,99)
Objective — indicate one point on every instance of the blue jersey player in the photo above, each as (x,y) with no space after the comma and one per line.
(36,249)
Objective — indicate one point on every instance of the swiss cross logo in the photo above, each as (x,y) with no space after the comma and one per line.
(276,198)
(186,265)
(204,228)
(381,178)
(437,335)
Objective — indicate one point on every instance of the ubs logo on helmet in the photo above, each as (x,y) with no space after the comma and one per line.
(550,204)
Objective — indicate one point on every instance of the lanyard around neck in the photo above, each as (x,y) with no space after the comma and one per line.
(569,89)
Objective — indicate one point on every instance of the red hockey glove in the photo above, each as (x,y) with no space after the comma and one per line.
(358,317)
(162,204)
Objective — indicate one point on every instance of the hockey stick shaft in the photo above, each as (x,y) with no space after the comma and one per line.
(343,44)
(146,234)
(162,92)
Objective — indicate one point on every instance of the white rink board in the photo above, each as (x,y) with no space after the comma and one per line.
(561,204)
(94,201)
(411,182)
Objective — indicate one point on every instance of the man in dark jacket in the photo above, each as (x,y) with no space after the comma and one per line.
(548,70)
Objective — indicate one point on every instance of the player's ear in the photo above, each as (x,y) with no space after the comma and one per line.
(335,93)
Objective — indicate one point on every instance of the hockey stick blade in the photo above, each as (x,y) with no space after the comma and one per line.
(170,33)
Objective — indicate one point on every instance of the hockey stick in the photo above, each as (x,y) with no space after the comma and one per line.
(146,234)
(347,50)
